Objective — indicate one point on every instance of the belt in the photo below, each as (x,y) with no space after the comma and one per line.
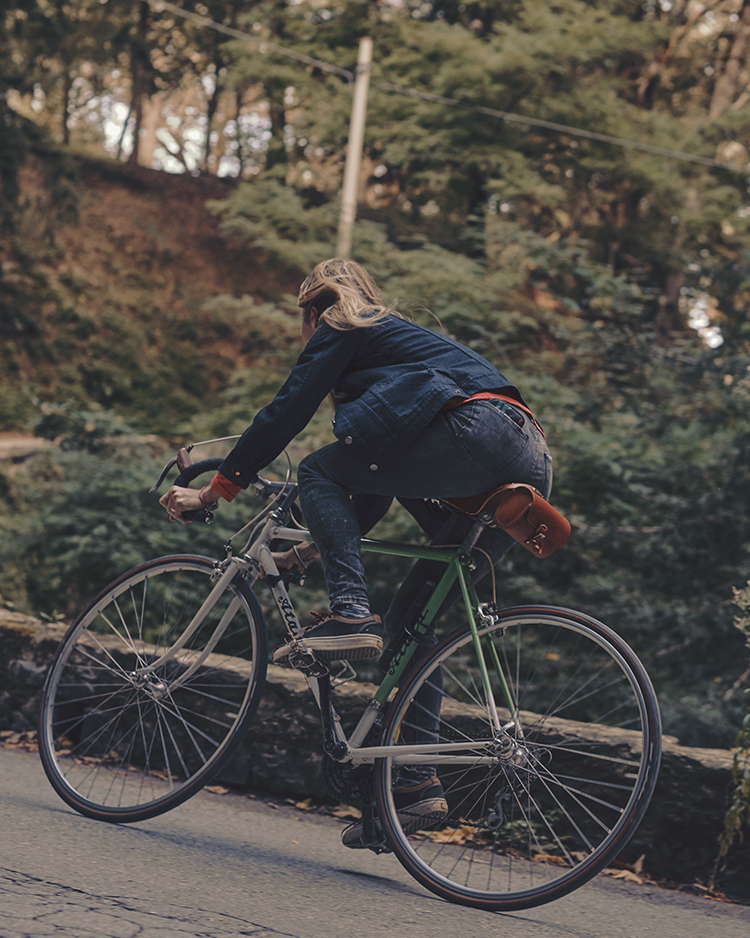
(508,409)
(507,405)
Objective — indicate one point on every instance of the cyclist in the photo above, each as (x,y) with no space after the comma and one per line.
(418,416)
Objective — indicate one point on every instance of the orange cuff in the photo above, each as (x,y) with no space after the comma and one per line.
(224,487)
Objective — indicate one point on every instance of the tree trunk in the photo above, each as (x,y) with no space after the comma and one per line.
(149,125)
(276,154)
(651,76)
(138,58)
(67,88)
(238,95)
(668,317)
(726,86)
(211,108)
(136,108)
(124,131)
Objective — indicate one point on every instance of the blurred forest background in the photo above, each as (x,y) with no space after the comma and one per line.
(165,186)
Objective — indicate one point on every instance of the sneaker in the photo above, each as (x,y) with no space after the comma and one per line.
(333,638)
(419,806)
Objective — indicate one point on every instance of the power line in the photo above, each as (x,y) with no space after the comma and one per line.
(264,46)
(560,128)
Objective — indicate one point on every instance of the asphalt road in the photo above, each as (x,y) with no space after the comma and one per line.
(226,865)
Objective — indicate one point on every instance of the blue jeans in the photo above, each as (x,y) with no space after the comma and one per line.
(461,452)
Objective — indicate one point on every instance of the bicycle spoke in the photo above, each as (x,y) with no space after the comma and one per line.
(544,805)
(125,740)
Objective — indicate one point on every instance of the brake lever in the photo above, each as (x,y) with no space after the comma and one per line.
(182,460)
(165,470)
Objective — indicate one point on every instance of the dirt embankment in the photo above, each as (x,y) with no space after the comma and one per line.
(100,308)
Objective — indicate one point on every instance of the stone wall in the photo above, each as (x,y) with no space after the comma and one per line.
(282,754)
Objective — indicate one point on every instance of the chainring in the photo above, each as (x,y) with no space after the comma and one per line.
(349,784)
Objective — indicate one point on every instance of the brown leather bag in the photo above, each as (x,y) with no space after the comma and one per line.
(521,511)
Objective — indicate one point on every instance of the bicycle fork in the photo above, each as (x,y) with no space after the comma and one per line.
(143,675)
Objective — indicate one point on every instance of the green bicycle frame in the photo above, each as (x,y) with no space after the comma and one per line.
(458,568)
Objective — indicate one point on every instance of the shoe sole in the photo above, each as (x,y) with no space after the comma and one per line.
(434,810)
(334,649)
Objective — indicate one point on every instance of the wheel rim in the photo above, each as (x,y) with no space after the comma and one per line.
(545,806)
(122,737)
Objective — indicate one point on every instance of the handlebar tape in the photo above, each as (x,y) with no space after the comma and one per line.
(192,472)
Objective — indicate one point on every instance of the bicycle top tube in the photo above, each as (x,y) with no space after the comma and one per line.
(391,548)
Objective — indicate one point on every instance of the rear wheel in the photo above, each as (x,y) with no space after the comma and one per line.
(547,791)
(125,736)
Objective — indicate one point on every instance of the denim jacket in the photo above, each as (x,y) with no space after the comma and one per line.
(388,381)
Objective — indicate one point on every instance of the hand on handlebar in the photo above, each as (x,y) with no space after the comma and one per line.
(178,501)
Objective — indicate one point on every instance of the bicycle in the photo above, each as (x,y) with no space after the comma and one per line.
(546,738)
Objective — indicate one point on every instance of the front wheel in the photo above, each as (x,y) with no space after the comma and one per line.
(559,749)
(138,710)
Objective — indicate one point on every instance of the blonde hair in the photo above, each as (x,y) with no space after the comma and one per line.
(347,295)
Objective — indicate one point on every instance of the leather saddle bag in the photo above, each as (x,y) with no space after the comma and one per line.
(521,511)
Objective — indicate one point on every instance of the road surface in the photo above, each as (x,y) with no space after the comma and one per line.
(222,866)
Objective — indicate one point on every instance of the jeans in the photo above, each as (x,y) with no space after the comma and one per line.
(462,452)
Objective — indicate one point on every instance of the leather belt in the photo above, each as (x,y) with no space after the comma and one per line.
(508,409)
(497,400)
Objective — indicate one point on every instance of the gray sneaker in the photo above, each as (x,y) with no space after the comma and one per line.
(419,806)
(334,638)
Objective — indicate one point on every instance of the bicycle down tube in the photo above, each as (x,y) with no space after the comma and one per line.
(458,565)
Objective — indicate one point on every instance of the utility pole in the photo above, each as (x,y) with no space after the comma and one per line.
(354,149)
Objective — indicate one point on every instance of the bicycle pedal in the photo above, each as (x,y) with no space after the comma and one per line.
(292,578)
(379,848)
(304,661)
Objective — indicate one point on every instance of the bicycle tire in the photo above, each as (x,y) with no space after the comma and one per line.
(536,811)
(122,744)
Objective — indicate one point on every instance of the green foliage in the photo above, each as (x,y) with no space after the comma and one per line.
(650,445)
(274,217)
(568,262)
(78,519)
(737,820)
(79,430)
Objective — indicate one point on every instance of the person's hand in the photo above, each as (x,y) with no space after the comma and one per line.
(179,500)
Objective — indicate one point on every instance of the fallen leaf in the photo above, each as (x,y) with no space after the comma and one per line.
(25,740)
(347,811)
(627,875)
(451,835)
(550,858)
(217,789)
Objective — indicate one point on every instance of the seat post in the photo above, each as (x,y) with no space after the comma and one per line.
(475,532)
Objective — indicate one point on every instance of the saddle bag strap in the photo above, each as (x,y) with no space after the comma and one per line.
(521,511)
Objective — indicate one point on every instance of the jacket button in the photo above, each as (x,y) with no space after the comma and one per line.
(374,468)
(348,440)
